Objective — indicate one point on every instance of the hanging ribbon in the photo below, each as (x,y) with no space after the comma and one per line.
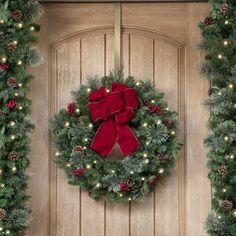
(115,109)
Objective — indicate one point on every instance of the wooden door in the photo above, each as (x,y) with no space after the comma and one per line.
(159,42)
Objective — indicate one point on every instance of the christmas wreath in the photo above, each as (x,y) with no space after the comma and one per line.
(113,112)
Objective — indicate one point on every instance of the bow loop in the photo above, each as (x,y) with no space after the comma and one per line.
(116,110)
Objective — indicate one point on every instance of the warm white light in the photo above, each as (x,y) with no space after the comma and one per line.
(220,56)
(224,190)
(19,25)
(231,86)
(19,62)
(219,217)
(226,22)
(142,178)
(2,185)
(234,213)
(13,123)
(226,42)
(108,90)
(231,156)
(84,147)
(67,124)
(137,83)
(15,42)
(98,185)
(95,162)
(130,199)
(147,143)
(88,90)
(32,28)
(85,140)
(1,21)
(4,59)
(131,172)
(167,108)
(219,93)
(57,154)
(145,155)
(88,166)
(1,229)
(113,171)
(146,161)
(20,85)
(14,169)
(20,108)
(7,232)
(173,133)
(153,101)
(226,138)
(120,194)
(158,122)
(13,137)
(16,94)
(145,124)
(161,171)
(68,165)
(90,125)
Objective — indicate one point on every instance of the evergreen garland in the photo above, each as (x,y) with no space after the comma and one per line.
(17,36)
(133,176)
(219,67)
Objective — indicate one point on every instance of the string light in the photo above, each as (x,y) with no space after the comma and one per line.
(88,166)
(1,228)
(234,213)
(84,147)
(137,83)
(147,143)
(57,154)
(20,25)
(131,172)
(161,171)
(145,124)
(129,198)
(2,185)
(16,94)
(88,90)
(226,22)
(12,123)
(172,132)
(231,86)
(120,194)
(7,232)
(85,140)
(90,125)
(0,171)
(226,138)
(153,101)
(108,90)
(142,178)
(219,217)
(4,59)
(219,93)
(2,21)
(145,155)
(146,161)
(14,169)
(15,42)
(98,185)
(19,62)
(226,42)
(68,164)
(232,157)
(224,190)
(13,137)
(167,108)
(20,85)
(220,56)
(32,28)
(67,124)
(95,162)
(158,122)
(113,171)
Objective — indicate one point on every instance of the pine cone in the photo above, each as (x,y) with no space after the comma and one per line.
(1,112)
(210,91)
(11,82)
(16,15)
(3,213)
(224,8)
(162,158)
(11,47)
(209,21)
(167,122)
(13,156)
(223,169)
(78,149)
(226,205)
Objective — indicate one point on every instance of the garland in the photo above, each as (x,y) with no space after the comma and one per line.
(219,43)
(108,109)
(16,52)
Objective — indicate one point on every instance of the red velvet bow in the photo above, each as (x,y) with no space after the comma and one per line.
(115,108)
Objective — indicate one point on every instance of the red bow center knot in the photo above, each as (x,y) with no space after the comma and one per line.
(115,109)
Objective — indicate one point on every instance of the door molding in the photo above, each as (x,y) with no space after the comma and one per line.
(121,1)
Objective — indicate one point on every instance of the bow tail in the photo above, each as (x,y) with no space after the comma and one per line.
(127,140)
(105,138)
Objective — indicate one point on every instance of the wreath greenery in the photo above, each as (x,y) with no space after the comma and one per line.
(134,175)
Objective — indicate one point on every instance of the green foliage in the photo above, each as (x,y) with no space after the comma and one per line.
(16,54)
(219,68)
(101,176)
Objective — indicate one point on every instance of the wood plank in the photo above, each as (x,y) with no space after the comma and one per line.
(141,67)
(198,185)
(167,81)
(68,71)
(93,61)
(40,163)
(123,1)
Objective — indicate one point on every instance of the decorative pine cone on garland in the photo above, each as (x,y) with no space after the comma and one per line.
(11,82)
(226,205)
(3,213)
(224,8)
(78,149)
(209,21)
(223,169)
(16,15)
(11,47)
(13,156)
(167,122)
(162,158)
(210,91)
